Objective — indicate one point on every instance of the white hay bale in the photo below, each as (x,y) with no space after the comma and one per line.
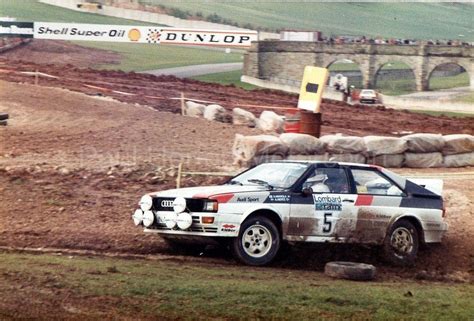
(459,160)
(338,144)
(348,158)
(247,148)
(423,160)
(380,145)
(424,143)
(302,144)
(458,144)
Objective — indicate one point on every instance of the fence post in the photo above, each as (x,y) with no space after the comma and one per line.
(182,103)
(178,179)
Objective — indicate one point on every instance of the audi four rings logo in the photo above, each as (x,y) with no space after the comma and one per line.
(166,203)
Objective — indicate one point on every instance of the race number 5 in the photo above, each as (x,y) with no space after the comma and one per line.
(327,224)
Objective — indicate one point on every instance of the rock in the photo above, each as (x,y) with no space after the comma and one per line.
(243,117)
(216,113)
(270,122)
(63,171)
(193,109)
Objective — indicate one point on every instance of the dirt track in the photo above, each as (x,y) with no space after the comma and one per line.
(72,168)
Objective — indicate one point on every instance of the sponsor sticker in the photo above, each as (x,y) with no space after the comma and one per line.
(227,227)
(327,203)
(16,29)
(279,198)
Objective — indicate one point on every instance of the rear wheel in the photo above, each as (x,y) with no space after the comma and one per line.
(401,244)
(258,241)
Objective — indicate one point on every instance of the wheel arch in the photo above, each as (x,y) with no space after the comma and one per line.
(271,214)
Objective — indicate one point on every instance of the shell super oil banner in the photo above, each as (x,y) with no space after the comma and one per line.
(312,87)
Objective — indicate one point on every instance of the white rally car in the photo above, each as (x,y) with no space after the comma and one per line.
(299,201)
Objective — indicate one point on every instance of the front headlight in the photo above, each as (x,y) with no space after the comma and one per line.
(184,221)
(146,202)
(137,217)
(179,205)
(210,206)
(148,218)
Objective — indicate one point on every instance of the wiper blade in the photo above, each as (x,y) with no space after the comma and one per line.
(260,182)
(232,182)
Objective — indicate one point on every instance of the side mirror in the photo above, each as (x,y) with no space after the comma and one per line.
(307,191)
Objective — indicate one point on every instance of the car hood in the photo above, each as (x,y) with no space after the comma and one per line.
(207,191)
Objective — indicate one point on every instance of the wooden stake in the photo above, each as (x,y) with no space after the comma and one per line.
(36,78)
(182,104)
(178,179)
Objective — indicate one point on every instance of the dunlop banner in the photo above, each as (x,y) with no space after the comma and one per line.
(16,29)
(129,34)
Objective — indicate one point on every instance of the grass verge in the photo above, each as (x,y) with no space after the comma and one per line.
(226,78)
(57,286)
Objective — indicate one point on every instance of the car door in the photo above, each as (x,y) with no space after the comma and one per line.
(329,210)
(377,204)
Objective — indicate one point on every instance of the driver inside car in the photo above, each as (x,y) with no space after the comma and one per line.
(316,182)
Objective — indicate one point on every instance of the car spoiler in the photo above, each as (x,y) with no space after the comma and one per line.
(433,185)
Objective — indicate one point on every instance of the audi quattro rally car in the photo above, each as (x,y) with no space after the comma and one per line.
(299,201)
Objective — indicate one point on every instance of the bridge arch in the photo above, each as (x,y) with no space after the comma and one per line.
(394,77)
(349,68)
(459,78)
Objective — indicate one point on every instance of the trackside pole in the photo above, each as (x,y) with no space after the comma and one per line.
(182,104)
(180,171)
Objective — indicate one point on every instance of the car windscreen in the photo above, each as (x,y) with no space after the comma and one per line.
(278,175)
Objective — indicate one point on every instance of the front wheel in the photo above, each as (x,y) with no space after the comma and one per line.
(401,244)
(258,241)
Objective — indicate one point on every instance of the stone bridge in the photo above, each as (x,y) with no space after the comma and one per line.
(284,61)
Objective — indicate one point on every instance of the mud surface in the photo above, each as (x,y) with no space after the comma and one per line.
(72,168)
(157,91)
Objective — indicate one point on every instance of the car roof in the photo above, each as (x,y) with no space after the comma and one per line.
(325,162)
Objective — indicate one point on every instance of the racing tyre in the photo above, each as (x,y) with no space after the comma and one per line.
(3,122)
(401,244)
(3,116)
(258,241)
(350,271)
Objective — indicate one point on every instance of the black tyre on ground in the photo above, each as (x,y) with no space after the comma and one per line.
(401,244)
(258,241)
(3,122)
(4,116)
(350,271)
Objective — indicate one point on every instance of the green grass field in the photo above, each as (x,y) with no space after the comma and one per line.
(198,290)
(397,20)
(135,57)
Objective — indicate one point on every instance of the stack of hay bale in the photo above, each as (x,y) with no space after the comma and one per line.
(416,150)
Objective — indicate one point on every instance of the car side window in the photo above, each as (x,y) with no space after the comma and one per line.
(372,182)
(328,180)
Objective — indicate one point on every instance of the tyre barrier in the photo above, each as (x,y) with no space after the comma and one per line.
(350,271)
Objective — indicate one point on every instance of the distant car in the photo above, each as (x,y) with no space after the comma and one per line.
(368,96)
(301,201)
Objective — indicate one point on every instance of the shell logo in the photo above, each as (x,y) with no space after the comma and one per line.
(134,34)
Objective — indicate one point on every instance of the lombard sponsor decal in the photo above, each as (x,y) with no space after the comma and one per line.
(208,37)
(327,203)
(16,29)
(88,32)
